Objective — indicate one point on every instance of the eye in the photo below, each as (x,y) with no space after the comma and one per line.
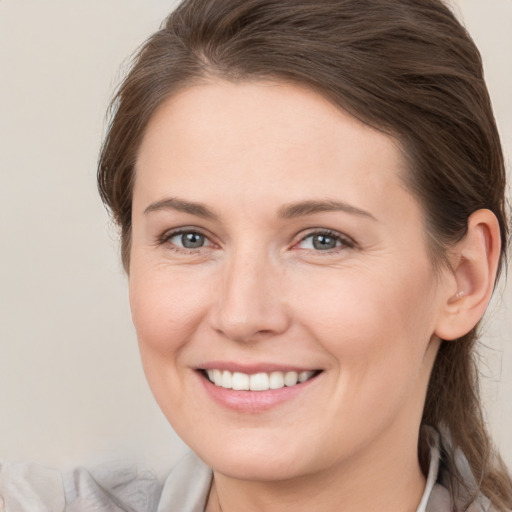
(186,239)
(189,240)
(324,241)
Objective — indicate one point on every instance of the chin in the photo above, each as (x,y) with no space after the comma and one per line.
(255,466)
(255,460)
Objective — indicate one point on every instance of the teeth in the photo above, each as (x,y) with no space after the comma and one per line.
(257,381)
(291,378)
(227,380)
(276,380)
(304,376)
(240,381)
(217,377)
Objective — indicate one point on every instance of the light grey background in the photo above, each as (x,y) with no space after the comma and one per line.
(71,386)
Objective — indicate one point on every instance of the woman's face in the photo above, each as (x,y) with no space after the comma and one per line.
(274,240)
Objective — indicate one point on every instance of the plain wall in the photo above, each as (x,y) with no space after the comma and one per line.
(71,385)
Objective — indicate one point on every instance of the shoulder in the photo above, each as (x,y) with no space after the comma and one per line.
(107,488)
(30,487)
(441,501)
(187,486)
(112,488)
(447,489)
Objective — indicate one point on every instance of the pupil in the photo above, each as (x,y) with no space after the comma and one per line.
(323,242)
(192,240)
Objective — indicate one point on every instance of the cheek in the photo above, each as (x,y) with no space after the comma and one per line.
(166,309)
(377,332)
(365,301)
(376,327)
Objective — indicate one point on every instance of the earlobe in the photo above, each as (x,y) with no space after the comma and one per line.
(474,262)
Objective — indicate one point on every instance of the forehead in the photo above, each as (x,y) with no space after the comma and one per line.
(264,139)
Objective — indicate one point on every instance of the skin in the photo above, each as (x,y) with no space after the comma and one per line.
(366,312)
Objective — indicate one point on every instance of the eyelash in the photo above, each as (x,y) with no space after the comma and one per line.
(345,241)
(168,235)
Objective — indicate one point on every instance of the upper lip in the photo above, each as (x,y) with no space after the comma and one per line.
(252,368)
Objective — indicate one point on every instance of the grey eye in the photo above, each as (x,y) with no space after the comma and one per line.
(324,242)
(192,240)
(189,240)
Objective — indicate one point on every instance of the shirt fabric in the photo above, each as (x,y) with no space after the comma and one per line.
(33,488)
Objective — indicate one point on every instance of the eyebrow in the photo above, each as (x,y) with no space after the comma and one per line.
(173,203)
(289,211)
(304,208)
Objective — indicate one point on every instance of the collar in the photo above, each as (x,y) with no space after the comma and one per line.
(186,488)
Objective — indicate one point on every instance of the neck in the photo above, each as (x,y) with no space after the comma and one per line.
(375,480)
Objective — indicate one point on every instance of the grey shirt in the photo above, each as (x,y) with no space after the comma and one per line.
(33,488)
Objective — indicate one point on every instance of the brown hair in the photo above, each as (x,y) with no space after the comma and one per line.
(407,68)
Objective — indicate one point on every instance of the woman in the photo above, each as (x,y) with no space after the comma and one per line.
(311,203)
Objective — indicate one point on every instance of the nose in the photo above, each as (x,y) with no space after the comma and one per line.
(250,303)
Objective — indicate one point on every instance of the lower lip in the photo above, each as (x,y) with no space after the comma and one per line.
(254,401)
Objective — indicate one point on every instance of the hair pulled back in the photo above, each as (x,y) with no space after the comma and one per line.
(407,68)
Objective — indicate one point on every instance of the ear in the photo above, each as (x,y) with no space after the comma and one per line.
(474,262)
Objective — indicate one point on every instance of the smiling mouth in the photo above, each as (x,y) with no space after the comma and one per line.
(257,381)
